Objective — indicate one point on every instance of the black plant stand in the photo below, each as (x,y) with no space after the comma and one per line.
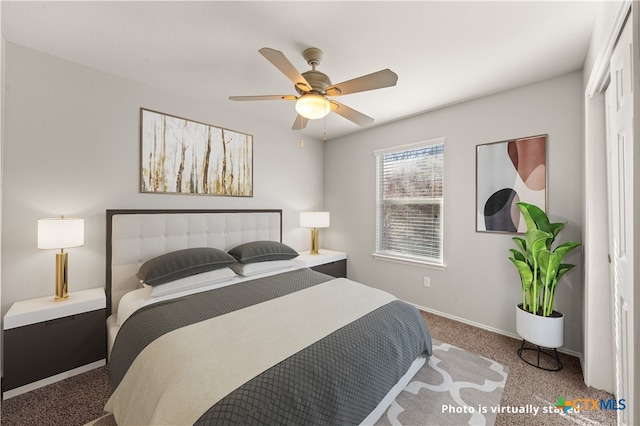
(548,352)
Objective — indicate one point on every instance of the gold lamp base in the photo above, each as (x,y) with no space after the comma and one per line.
(61,277)
(315,241)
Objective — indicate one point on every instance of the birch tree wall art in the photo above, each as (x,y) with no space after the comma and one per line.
(180,156)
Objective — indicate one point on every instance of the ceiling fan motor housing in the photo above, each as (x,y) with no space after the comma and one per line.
(319,81)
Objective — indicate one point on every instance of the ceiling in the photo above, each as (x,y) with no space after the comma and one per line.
(443,52)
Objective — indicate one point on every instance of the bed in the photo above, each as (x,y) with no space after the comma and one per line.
(213,320)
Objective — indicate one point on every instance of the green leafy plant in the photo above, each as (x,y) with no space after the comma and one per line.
(540,266)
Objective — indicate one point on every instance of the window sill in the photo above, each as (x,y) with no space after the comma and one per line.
(409,261)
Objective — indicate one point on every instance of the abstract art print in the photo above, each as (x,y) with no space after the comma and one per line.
(508,172)
(180,156)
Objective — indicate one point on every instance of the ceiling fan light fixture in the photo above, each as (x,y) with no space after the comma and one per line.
(313,106)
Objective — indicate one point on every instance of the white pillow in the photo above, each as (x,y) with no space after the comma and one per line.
(192,281)
(136,299)
(250,269)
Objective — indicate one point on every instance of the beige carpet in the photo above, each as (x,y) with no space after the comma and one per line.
(71,402)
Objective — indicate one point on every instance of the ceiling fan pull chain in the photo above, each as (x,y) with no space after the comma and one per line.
(324,133)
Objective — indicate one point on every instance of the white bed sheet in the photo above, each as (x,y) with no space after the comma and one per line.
(379,411)
(136,299)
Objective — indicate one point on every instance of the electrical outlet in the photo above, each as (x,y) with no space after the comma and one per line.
(427,282)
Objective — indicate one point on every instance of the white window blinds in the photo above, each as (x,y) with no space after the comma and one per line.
(410,202)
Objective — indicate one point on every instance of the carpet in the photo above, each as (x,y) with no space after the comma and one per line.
(454,387)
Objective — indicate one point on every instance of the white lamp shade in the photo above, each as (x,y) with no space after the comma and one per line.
(60,233)
(314,219)
(313,106)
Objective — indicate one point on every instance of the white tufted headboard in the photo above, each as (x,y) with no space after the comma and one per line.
(135,236)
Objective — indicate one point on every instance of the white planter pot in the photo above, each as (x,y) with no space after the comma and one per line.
(547,332)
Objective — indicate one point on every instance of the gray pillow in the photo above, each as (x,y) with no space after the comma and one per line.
(183,263)
(261,251)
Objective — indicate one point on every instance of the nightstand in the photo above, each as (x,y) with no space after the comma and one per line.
(328,262)
(47,341)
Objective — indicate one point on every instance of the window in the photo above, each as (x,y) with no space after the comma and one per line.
(409,197)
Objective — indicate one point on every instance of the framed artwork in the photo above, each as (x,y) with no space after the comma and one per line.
(180,156)
(508,172)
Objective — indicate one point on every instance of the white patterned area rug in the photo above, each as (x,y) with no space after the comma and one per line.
(454,387)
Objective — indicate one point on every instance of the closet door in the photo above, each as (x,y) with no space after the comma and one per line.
(620,159)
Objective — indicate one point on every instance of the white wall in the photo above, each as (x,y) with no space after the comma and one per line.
(71,146)
(479,283)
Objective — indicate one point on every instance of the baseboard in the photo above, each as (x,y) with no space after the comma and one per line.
(492,329)
(50,380)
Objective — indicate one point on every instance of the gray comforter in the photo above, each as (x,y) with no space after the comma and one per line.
(338,380)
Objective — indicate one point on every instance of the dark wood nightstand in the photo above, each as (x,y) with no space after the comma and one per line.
(47,341)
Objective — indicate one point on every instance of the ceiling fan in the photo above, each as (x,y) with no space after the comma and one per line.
(315,87)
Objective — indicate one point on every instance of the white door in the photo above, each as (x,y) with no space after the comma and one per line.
(619,99)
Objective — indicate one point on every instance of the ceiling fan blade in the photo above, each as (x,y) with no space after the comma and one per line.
(376,80)
(264,98)
(281,62)
(300,123)
(351,114)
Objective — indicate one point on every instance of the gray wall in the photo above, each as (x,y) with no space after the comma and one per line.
(479,283)
(71,146)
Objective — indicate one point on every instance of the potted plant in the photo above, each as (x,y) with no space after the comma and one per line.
(540,267)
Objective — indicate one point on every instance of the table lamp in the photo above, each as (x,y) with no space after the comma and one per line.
(60,233)
(314,220)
